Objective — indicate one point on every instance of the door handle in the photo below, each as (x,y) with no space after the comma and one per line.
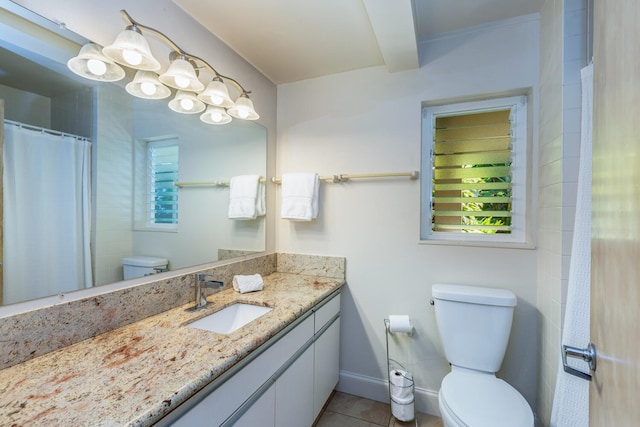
(587,354)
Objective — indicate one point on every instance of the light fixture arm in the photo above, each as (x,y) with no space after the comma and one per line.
(217,74)
(178,49)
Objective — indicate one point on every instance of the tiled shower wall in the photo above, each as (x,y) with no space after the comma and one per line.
(563,54)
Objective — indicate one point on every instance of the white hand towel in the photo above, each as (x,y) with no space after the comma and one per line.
(243,196)
(261,205)
(244,284)
(300,196)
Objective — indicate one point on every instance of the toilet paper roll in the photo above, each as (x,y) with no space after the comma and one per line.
(399,323)
(401,384)
(403,409)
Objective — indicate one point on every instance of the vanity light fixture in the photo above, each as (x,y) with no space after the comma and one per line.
(146,85)
(243,108)
(92,64)
(132,50)
(181,74)
(215,116)
(216,94)
(186,102)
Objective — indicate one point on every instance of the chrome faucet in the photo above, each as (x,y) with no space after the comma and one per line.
(203,283)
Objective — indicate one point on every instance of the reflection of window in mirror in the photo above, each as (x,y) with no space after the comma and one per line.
(156,168)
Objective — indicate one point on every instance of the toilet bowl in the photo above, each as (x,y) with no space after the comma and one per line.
(474,325)
(472,399)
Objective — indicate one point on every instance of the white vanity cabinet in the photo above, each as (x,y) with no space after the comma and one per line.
(286,384)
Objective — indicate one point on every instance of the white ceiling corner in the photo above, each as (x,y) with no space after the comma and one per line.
(291,40)
(393,24)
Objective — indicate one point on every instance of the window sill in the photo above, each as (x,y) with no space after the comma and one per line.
(482,244)
(157,229)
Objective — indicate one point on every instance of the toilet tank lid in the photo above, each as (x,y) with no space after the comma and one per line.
(474,295)
(144,261)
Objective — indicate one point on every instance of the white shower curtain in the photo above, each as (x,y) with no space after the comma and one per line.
(571,398)
(46,214)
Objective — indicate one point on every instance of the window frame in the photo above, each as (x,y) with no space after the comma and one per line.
(144,186)
(150,217)
(520,160)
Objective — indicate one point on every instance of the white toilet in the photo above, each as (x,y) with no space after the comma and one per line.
(139,266)
(474,325)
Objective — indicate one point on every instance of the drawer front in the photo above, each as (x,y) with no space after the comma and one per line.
(326,312)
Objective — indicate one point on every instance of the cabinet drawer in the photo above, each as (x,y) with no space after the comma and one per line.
(326,312)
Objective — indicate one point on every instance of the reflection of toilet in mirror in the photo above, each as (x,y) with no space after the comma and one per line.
(139,266)
(474,325)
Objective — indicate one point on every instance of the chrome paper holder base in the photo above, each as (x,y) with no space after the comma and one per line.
(587,354)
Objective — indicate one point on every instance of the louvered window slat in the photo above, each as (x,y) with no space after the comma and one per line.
(470,186)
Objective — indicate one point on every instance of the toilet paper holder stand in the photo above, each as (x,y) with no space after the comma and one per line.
(389,360)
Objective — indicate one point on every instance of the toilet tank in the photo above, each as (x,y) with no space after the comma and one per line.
(138,266)
(474,324)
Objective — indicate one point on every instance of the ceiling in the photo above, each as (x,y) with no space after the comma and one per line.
(291,40)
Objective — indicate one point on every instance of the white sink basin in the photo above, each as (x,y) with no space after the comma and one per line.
(230,318)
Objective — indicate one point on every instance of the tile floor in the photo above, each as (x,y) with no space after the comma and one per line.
(346,410)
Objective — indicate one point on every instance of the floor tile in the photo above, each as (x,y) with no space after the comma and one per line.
(358,407)
(334,419)
(423,420)
(345,410)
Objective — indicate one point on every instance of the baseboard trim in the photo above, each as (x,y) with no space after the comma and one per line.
(377,389)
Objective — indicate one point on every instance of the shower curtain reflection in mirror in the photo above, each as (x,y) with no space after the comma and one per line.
(50,173)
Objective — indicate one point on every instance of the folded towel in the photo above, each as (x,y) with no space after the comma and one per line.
(243,196)
(300,196)
(244,284)
(261,206)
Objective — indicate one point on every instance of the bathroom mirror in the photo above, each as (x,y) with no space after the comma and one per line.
(39,92)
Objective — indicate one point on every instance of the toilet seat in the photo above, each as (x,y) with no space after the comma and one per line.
(478,399)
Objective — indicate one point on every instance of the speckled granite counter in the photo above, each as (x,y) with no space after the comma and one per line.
(134,375)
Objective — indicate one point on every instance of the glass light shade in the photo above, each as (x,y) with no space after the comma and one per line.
(146,85)
(186,103)
(91,64)
(216,94)
(215,116)
(243,109)
(130,48)
(182,76)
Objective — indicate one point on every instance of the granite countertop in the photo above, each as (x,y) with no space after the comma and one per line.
(134,375)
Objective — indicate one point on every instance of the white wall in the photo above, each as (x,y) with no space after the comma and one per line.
(370,121)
